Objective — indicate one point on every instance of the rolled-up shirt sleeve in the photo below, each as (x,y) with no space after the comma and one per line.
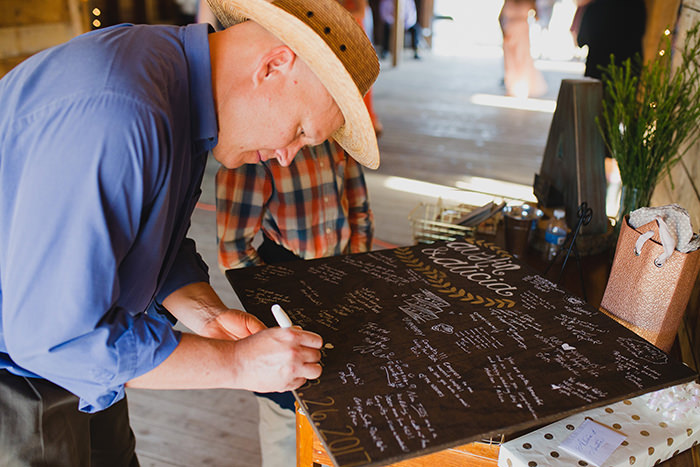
(85,249)
(188,267)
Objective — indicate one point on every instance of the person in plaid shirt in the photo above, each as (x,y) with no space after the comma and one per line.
(315,207)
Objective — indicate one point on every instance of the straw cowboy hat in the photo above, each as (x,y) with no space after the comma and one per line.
(329,40)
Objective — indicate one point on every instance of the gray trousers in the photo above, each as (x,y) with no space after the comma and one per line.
(40,425)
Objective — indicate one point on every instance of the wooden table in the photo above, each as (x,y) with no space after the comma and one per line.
(311,453)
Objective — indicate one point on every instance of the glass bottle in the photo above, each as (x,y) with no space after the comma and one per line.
(555,235)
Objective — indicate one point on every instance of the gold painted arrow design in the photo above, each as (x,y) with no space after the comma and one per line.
(438,280)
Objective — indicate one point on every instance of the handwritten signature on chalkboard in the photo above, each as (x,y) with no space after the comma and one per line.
(435,346)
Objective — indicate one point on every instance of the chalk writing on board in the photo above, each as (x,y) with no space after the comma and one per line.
(410,325)
(542,284)
(580,329)
(360,301)
(378,271)
(480,320)
(415,276)
(405,416)
(387,260)
(429,350)
(575,301)
(579,310)
(438,279)
(478,338)
(266,297)
(644,350)
(328,273)
(423,348)
(483,269)
(396,374)
(516,320)
(529,300)
(444,328)
(473,259)
(451,382)
(310,293)
(299,316)
(511,385)
(567,356)
(271,272)
(360,417)
(329,319)
(515,323)
(375,341)
(348,375)
(635,371)
(424,306)
(579,389)
(341,440)
(363,299)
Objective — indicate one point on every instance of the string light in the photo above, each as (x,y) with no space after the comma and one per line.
(96,12)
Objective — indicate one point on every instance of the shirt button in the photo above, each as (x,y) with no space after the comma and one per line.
(328,230)
(325,198)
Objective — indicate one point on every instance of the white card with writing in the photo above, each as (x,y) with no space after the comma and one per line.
(593,442)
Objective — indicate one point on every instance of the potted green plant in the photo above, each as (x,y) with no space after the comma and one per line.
(651,116)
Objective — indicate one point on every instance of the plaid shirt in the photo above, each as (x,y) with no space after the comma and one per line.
(316,207)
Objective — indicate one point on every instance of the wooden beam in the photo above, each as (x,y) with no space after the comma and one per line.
(26,40)
(661,14)
(397,34)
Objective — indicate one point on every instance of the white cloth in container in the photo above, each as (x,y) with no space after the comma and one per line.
(676,219)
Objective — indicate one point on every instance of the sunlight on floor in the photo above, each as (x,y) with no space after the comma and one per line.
(475,191)
(517,103)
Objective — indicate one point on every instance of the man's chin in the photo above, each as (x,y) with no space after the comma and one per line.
(233,161)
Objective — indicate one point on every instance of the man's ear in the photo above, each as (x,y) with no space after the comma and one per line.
(276,61)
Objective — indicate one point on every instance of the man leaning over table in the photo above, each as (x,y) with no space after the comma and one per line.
(103,143)
(314,208)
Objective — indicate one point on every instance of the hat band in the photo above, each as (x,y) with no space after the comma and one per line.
(351,49)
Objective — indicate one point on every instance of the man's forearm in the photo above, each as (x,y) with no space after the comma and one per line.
(273,360)
(195,305)
(196,363)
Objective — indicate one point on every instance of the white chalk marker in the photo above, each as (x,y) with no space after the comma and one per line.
(281,317)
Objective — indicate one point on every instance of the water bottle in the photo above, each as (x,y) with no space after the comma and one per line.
(555,234)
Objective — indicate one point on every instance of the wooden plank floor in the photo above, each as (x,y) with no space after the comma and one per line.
(433,132)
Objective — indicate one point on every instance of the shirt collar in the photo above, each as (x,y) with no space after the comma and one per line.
(204,127)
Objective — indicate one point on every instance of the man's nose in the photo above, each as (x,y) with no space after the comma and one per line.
(286,155)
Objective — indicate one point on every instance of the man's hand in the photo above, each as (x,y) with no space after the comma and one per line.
(277,359)
(231,349)
(231,325)
(199,308)
(271,360)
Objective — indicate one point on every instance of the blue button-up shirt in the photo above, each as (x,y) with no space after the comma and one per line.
(103,143)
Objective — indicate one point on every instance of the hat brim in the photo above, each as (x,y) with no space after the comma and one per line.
(357,134)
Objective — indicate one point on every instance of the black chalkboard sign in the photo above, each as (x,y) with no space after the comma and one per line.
(433,346)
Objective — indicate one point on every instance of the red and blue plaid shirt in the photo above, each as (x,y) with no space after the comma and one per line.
(316,207)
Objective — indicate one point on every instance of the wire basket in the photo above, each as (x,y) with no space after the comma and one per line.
(433,222)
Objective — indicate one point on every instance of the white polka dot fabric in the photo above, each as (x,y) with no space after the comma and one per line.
(678,221)
(652,436)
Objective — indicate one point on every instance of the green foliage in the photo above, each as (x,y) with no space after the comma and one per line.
(650,120)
